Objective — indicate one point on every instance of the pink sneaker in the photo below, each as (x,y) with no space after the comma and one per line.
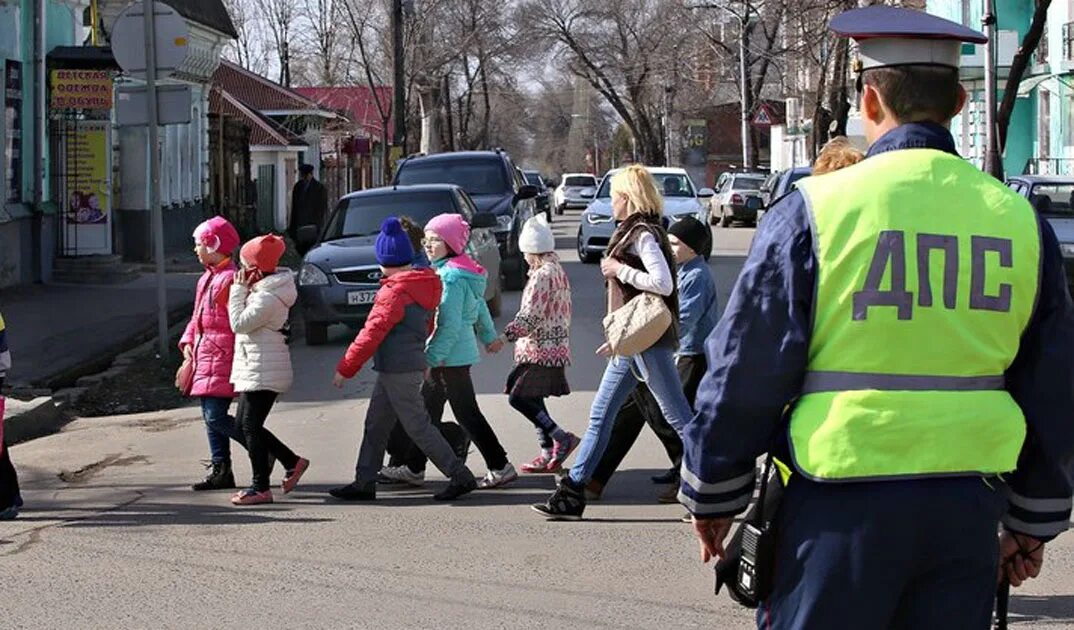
(250,496)
(562,450)
(293,475)
(537,465)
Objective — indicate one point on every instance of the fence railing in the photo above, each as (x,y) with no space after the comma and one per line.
(1068,41)
(1049,166)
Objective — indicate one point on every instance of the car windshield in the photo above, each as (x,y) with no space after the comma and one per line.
(747,183)
(534,179)
(580,181)
(362,216)
(669,185)
(477,177)
(1053,199)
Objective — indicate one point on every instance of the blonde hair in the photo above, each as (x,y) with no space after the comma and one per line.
(836,154)
(637,185)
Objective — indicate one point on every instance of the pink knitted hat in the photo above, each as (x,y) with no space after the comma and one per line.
(217,235)
(453,229)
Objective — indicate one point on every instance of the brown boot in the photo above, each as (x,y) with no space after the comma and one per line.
(593,490)
(671,495)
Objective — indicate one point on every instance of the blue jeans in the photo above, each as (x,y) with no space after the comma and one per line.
(657,366)
(220,428)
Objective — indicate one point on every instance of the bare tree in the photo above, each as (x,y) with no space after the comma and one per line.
(248,49)
(363,25)
(280,17)
(322,38)
(1018,67)
(623,48)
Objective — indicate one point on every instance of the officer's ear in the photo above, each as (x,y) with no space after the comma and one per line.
(872,105)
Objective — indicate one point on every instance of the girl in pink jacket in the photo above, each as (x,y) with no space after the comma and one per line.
(210,343)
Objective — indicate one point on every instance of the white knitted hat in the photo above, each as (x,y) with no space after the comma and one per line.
(536,236)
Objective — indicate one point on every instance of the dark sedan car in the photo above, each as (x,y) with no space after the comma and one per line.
(544,196)
(340,275)
(1053,198)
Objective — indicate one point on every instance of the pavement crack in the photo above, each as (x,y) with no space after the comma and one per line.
(84,474)
(34,535)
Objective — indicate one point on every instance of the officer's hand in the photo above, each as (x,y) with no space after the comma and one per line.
(1020,557)
(711,532)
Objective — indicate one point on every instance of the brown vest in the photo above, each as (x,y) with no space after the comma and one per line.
(619,293)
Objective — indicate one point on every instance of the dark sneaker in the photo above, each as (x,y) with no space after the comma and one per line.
(220,477)
(566,503)
(456,488)
(355,492)
(671,475)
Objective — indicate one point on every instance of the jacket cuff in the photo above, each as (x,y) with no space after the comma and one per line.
(1041,518)
(723,498)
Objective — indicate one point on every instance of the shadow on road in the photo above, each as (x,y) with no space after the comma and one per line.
(1038,610)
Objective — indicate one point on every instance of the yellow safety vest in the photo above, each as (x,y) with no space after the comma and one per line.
(927,275)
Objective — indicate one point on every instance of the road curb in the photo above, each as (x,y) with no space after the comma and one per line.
(38,417)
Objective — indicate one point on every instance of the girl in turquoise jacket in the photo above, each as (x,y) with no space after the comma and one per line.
(461,320)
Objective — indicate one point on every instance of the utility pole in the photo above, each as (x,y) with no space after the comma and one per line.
(40,92)
(157,217)
(398,75)
(993,164)
(447,112)
(667,124)
(745,113)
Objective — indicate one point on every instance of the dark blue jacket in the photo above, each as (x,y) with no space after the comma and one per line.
(758,353)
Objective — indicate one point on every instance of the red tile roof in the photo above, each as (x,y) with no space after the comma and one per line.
(260,93)
(263,130)
(356,102)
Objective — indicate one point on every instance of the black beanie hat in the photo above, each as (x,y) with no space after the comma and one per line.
(693,233)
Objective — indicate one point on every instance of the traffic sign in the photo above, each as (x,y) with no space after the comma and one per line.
(762,118)
(172,37)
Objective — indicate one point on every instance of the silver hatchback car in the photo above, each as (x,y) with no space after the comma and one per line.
(681,199)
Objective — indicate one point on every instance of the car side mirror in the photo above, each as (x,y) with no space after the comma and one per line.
(528,191)
(483,220)
(587,193)
(306,236)
(706,192)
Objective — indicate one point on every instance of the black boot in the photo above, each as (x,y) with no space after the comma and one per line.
(219,478)
(566,504)
(355,491)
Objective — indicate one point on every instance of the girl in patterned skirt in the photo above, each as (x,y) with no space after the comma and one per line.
(541,334)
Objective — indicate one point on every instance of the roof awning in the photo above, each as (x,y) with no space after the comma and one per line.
(1031,83)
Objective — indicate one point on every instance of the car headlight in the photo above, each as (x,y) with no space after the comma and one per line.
(593,218)
(312,276)
(1067,249)
(504,223)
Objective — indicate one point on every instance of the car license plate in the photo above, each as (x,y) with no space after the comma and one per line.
(356,298)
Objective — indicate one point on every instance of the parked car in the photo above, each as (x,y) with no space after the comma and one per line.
(779,184)
(340,275)
(544,198)
(569,193)
(738,197)
(1053,198)
(681,199)
(494,184)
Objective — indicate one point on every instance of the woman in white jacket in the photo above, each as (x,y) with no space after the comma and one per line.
(258,305)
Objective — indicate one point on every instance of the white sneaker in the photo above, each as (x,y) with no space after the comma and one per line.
(497,478)
(403,474)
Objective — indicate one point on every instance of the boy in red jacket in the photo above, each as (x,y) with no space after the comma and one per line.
(394,337)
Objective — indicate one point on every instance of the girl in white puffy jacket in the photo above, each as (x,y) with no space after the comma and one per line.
(258,305)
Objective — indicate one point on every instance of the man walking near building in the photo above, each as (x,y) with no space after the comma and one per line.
(309,203)
(911,320)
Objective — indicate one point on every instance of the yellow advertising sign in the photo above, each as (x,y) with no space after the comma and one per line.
(88,194)
(81,89)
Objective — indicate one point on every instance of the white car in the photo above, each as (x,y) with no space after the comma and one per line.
(573,190)
(681,199)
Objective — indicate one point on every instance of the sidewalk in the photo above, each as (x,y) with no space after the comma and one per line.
(59,332)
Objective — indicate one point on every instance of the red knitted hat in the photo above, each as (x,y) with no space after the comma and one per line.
(263,253)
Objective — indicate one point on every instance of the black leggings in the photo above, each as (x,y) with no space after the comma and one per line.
(453,385)
(263,446)
(536,412)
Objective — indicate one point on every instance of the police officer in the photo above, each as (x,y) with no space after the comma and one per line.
(900,340)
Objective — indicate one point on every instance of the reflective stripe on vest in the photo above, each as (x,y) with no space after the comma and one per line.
(927,276)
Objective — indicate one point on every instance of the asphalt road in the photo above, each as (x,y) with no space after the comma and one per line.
(113,538)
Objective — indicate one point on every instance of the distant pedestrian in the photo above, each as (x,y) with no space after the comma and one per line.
(209,343)
(698,314)
(10,497)
(394,337)
(258,307)
(452,349)
(309,203)
(836,154)
(541,332)
(640,260)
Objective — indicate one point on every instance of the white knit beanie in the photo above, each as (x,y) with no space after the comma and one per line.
(536,236)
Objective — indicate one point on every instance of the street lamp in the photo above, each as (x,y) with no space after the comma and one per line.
(744,113)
